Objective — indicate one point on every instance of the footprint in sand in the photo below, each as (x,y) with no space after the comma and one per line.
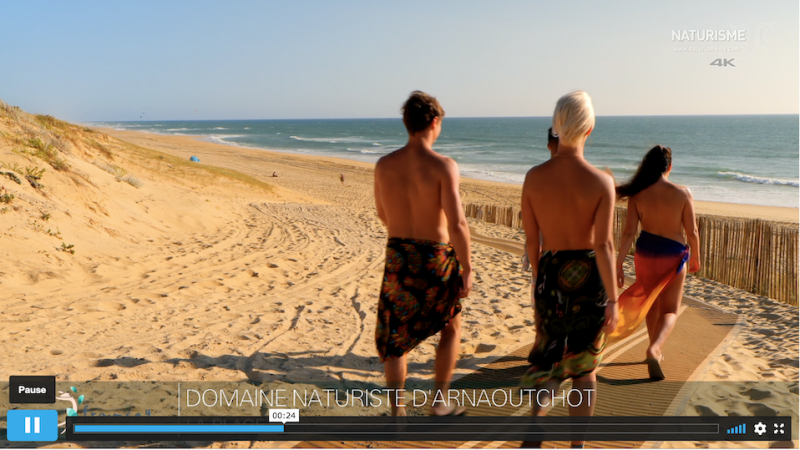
(760,409)
(108,307)
(756,394)
(705,411)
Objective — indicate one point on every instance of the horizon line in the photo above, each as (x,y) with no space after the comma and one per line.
(446,117)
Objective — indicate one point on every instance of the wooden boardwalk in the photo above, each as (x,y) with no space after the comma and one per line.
(623,387)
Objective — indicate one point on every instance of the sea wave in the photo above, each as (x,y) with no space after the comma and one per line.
(493,175)
(367,151)
(221,139)
(332,140)
(772,197)
(758,180)
(220,128)
(618,169)
(460,146)
(125,126)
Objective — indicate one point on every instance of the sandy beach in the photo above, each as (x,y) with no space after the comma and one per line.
(474,191)
(202,274)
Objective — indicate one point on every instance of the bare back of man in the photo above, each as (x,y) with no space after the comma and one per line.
(410,183)
(565,193)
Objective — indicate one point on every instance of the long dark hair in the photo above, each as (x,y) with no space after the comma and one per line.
(654,164)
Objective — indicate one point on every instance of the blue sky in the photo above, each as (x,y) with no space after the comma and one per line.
(99,60)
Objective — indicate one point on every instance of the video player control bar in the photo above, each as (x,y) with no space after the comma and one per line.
(429,428)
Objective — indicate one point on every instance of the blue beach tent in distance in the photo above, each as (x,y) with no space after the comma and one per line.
(194,159)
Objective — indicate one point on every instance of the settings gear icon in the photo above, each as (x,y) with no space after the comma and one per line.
(760,428)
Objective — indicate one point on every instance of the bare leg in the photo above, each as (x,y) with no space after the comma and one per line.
(541,405)
(669,302)
(396,370)
(446,356)
(652,319)
(587,385)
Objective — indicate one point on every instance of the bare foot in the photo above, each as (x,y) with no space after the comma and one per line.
(445,411)
(653,362)
(652,353)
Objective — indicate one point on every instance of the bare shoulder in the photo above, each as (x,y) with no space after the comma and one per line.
(683,191)
(531,178)
(603,179)
(444,165)
(446,161)
(536,171)
(687,193)
(387,161)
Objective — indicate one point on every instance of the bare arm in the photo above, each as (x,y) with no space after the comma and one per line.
(628,235)
(378,205)
(604,249)
(692,235)
(531,227)
(456,222)
(532,247)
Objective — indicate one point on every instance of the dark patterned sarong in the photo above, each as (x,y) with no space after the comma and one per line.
(419,294)
(570,302)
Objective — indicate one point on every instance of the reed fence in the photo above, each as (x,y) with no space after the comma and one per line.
(759,256)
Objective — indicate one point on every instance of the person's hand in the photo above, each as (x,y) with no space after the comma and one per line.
(620,276)
(467,277)
(612,317)
(694,264)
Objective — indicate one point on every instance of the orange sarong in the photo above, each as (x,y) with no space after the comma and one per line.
(658,261)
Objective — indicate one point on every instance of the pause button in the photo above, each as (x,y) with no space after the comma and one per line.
(32,425)
(36,425)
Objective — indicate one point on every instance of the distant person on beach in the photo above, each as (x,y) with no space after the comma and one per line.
(274,174)
(341,177)
(571,203)
(552,145)
(663,208)
(428,269)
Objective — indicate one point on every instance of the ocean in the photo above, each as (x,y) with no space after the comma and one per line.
(733,159)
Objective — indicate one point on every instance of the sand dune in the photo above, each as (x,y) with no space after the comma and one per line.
(197,276)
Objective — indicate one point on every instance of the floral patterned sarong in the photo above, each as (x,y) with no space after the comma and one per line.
(419,294)
(570,302)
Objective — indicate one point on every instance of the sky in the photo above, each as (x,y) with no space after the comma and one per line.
(87,61)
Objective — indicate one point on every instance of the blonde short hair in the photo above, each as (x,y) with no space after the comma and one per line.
(573,117)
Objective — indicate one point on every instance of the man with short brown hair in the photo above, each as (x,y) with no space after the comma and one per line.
(428,268)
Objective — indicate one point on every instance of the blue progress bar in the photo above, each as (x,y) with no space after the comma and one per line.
(80,428)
